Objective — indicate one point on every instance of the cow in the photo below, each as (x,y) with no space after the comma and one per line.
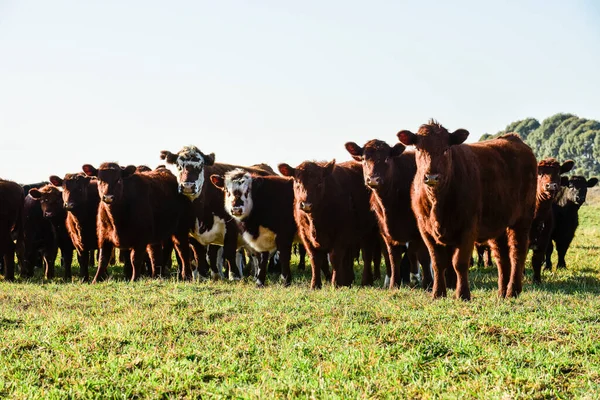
(389,172)
(136,211)
(51,202)
(11,212)
(263,207)
(80,200)
(467,193)
(566,216)
(39,239)
(333,215)
(211,223)
(548,185)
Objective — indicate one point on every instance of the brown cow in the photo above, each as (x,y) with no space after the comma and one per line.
(137,210)
(80,200)
(332,211)
(51,202)
(467,193)
(389,173)
(11,198)
(548,185)
(263,207)
(210,222)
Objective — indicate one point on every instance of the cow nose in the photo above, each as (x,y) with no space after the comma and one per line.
(236,211)
(68,206)
(551,187)
(306,207)
(187,187)
(108,198)
(374,181)
(432,179)
(48,214)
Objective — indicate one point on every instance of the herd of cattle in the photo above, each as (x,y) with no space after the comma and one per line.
(426,207)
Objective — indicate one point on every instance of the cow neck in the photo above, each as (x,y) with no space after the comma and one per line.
(543,205)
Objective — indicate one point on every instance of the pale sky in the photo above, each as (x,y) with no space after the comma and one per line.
(277,81)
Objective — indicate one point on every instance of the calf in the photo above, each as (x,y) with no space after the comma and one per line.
(548,184)
(80,200)
(467,193)
(389,173)
(38,239)
(210,222)
(138,210)
(51,202)
(11,212)
(565,211)
(263,207)
(332,212)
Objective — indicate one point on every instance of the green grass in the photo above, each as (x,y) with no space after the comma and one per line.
(167,339)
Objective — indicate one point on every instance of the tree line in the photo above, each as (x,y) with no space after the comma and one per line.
(562,136)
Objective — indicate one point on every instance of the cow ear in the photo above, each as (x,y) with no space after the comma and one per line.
(592,182)
(55,180)
(128,170)
(169,157)
(564,181)
(397,150)
(355,151)
(458,136)
(286,170)
(35,193)
(329,167)
(218,181)
(89,170)
(209,159)
(567,166)
(407,138)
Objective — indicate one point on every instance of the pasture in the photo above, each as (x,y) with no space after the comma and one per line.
(168,339)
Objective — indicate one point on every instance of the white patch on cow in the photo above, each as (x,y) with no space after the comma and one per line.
(240,261)
(431,268)
(386,282)
(215,235)
(415,279)
(240,181)
(265,241)
(195,275)
(220,262)
(189,157)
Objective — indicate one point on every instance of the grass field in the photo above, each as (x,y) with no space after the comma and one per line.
(164,339)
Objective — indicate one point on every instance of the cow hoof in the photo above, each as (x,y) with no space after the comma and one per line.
(259,284)
(215,276)
(232,277)
(415,279)
(195,275)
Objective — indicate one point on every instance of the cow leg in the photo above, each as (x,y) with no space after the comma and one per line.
(83,259)
(518,243)
(537,258)
(441,260)
(425,261)
(341,263)
(216,272)
(167,259)
(198,254)
(318,258)
(103,259)
(378,246)
(460,262)
(229,250)
(412,257)
(125,258)
(49,261)
(395,254)
(67,254)
(138,259)
(549,251)
(302,257)
(285,254)
(261,269)
(501,254)
(561,251)
(367,247)
(154,252)
(182,247)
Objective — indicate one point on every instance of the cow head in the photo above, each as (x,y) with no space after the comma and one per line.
(548,178)
(433,154)
(237,185)
(376,157)
(310,182)
(110,180)
(50,198)
(74,189)
(576,190)
(189,163)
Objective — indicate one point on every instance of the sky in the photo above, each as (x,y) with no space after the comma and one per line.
(277,81)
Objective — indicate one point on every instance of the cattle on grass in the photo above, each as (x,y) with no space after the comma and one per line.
(548,185)
(210,222)
(263,207)
(333,215)
(11,212)
(39,240)
(467,193)
(136,211)
(51,202)
(389,172)
(566,216)
(80,200)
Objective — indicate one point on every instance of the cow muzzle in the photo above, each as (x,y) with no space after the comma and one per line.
(48,214)
(551,187)
(374,181)
(306,206)
(187,188)
(237,211)
(431,179)
(108,198)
